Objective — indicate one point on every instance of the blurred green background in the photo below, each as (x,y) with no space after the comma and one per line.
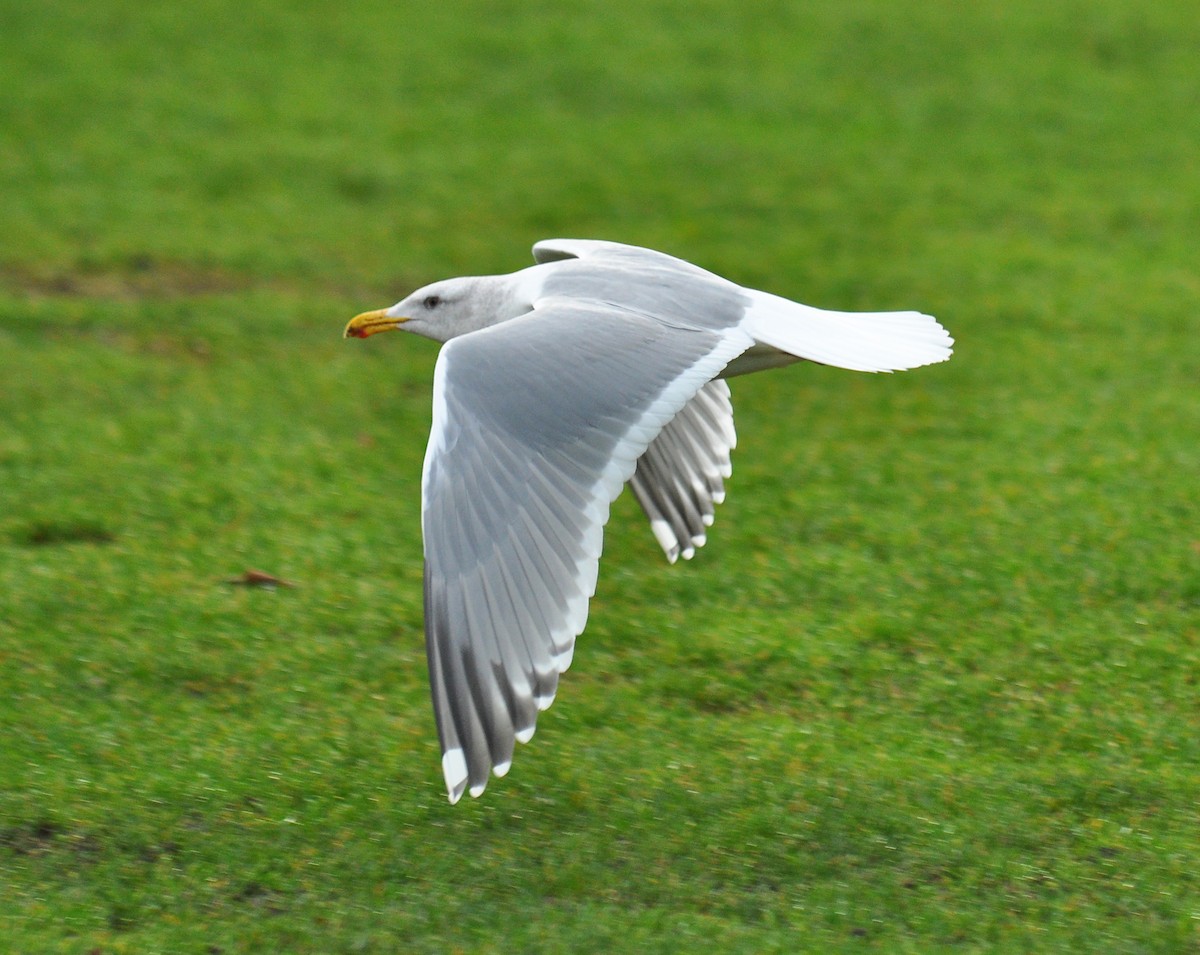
(931,686)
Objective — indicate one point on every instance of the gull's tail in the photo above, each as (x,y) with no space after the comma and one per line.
(785,331)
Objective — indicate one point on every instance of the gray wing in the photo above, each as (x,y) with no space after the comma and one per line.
(682,474)
(554,250)
(634,258)
(538,422)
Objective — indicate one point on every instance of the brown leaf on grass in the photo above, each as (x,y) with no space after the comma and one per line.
(258,578)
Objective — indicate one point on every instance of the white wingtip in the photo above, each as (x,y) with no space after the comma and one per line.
(477,790)
(563,660)
(525,735)
(501,769)
(454,769)
(666,538)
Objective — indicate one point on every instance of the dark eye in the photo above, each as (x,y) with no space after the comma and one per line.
(432,301)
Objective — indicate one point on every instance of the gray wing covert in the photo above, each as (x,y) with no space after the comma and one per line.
(538,422)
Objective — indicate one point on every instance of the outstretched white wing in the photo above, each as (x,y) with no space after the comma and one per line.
(538,422)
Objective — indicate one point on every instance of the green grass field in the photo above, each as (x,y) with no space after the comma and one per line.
(931,686)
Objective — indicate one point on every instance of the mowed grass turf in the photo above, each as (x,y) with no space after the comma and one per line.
(932,684)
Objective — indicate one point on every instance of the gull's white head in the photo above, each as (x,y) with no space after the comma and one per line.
(446,309)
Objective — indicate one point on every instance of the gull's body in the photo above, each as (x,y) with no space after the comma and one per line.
(601,364)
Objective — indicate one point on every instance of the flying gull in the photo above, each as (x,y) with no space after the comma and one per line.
(602,364)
